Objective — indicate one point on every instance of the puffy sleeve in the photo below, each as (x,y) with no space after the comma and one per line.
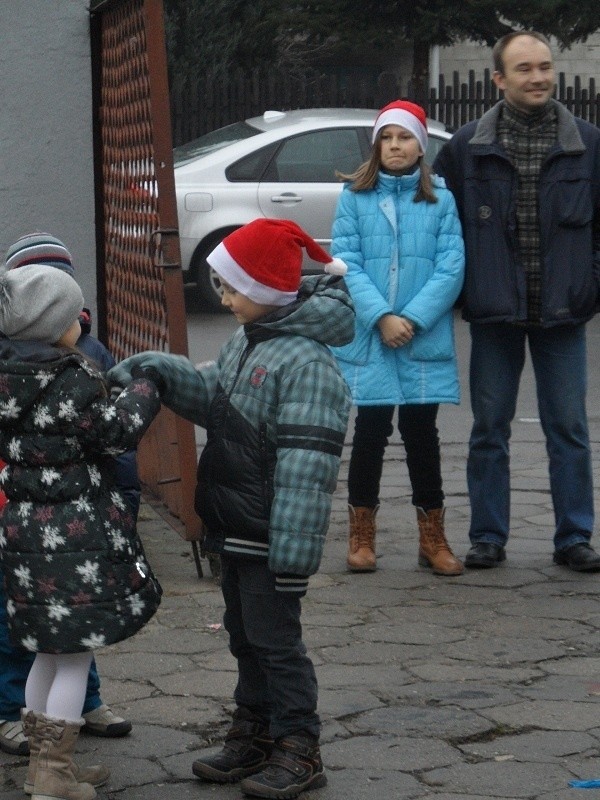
(311,426)
(347,244)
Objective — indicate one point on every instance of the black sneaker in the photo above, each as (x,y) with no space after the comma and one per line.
(295,765)
(246,750)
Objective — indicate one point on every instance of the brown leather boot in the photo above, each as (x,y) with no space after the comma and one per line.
(434,550)
(361,540)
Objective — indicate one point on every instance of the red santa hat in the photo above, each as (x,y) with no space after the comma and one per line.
(263,260)
(408,115)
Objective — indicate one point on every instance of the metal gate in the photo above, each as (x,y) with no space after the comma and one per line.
(140,289)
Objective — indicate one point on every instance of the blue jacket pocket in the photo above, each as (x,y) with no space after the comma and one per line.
(436,344)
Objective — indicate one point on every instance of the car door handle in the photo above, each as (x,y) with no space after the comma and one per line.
(286,197)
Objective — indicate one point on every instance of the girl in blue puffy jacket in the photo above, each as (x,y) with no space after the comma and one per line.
(397,229)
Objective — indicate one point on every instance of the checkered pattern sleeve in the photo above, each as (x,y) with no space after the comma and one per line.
(186,390)
(312,417)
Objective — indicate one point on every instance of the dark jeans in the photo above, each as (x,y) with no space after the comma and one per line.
(276,678)
(418,429)
(558,356)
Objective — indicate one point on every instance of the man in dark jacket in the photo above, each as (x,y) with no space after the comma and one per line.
(526,178)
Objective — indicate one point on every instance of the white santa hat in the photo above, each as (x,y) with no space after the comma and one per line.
(408,115)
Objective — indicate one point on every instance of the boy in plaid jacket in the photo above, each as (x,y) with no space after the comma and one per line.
(276,408)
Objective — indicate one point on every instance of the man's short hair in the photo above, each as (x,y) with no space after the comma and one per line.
(501,45)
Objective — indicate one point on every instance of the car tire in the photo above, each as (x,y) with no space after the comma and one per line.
(207,280)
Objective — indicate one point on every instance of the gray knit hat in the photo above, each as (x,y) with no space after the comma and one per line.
(39,248)
(37,303)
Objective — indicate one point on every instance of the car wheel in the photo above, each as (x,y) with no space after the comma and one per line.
(207,280)
(209,288)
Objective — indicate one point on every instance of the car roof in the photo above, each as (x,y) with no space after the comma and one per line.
(273,125)
(273,119)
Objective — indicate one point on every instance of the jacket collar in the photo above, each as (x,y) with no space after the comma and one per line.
(569,137)
(399,182)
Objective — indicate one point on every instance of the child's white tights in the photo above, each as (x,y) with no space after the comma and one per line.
(56,684)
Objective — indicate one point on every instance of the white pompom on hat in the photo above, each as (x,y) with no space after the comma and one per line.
(407,115)
(37,303)
(263,260)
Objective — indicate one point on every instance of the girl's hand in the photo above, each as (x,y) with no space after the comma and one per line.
(395,331)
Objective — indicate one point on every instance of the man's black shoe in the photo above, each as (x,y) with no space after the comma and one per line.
(295,765)
(483,555)
(579,557)
(246,750)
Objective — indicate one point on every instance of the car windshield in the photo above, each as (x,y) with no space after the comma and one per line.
(214,140)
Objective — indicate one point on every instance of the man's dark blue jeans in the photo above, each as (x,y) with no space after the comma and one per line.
(558,356)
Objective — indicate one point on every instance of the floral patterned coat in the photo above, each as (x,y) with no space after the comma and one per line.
(75,571)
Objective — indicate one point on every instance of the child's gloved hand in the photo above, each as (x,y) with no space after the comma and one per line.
(150,374)
(121,374)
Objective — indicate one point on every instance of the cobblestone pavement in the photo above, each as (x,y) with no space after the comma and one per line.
(480,686)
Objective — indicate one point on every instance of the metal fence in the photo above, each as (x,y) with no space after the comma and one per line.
(140,290)
(206,103)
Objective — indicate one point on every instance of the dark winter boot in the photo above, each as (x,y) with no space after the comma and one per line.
(246,750)
(295,765)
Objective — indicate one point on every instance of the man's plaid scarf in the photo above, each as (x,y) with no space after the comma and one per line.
(527,138)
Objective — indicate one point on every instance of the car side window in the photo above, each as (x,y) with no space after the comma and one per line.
(434,145)
(315,157)
(251,167)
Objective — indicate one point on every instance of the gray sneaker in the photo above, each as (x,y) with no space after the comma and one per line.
(12,739)
(102,722)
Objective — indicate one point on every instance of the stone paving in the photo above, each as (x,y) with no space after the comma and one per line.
(469,688)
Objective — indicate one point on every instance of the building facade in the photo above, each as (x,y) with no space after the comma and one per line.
(581,60)
(46,146)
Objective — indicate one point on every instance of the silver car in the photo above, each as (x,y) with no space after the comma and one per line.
(282,164)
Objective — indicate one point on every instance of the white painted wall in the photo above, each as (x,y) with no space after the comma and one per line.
(581,59)
(46,157)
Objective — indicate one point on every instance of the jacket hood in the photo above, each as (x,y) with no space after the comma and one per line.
(26,370)
(31,351)
(323,311)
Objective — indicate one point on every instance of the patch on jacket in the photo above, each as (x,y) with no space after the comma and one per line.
(485,212)
(258,377)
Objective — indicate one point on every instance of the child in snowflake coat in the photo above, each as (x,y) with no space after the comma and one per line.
(75,572)
(44,248)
